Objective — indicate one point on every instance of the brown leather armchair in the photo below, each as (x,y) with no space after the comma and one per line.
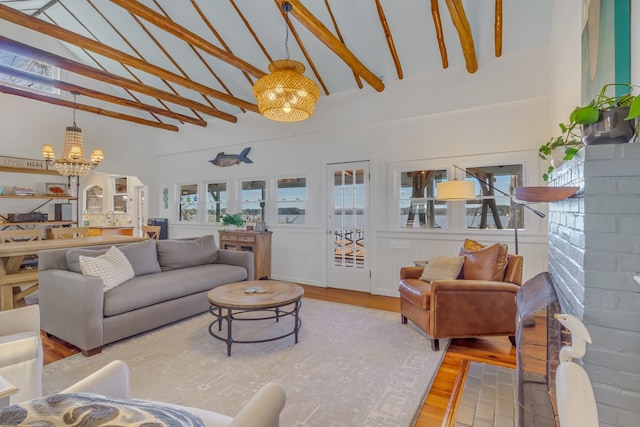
(461,308)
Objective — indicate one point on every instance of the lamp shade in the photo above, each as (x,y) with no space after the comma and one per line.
(455,190)
(286,95)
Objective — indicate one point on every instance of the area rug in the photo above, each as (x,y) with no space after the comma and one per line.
(352,366)
(489,397)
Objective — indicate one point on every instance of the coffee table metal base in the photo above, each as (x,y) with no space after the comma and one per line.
(230,314)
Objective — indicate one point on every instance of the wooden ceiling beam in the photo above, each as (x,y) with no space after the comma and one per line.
(69,87)
(70,37)
(335,25)
(389,37)
(314,25)
(302,48)
(459,18)
(498,28)
(99,111)
(94,73)
(437,23)
(113,27)
(190,37)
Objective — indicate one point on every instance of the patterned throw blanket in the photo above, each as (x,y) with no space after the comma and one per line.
(92,410)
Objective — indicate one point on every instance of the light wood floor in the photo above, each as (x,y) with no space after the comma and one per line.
(440,404)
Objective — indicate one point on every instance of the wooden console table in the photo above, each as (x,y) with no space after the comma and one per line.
(258,242)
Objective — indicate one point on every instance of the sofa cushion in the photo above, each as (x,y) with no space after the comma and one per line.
(442,268)
(485,263)
(144,291)
(112,267)
(73,257)
(142,256)
(174,254)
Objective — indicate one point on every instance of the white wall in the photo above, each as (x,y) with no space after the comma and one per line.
(488,114)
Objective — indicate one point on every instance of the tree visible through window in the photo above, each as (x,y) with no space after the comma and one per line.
(29,65)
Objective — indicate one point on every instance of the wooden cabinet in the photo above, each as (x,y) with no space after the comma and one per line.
(258,242)
(110,231)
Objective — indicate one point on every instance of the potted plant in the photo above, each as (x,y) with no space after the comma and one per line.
(232,219)
(605,120)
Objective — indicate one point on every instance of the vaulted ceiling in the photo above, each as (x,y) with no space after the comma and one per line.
(164,63)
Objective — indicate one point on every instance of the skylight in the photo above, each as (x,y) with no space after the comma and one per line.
(32,66)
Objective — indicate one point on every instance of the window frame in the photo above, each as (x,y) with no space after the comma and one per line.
(240,202)
(198,203)
(277,200)
(206,201)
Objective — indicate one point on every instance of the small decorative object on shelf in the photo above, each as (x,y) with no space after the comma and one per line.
(544,194)
(23,191)
(56,189)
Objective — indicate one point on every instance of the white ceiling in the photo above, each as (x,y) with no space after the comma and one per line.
(526,24)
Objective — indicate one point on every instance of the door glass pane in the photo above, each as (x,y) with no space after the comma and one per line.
(349,201)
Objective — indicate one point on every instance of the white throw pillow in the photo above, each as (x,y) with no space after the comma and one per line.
(112,267)
(442,268)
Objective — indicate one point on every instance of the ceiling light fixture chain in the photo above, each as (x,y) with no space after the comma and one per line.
(286,8)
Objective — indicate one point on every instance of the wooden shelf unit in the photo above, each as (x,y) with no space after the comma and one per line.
(37,196)
(258,242)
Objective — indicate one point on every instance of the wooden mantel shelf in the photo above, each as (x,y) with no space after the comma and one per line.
(544,194)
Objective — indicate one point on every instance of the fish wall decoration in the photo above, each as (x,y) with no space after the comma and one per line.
(224,160)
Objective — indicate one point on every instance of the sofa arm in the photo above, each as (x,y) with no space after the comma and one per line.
(410,272)
(472,307)
(72,307)
(239,258)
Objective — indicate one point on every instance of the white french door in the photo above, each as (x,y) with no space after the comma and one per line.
(348,225)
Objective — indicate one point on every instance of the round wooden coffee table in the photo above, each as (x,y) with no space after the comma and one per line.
(229,301)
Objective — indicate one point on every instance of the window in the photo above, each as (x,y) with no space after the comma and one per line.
(418,205)
(32,66)
(253,200)
(292,200)
(188,203)
(216,201)
(494,210)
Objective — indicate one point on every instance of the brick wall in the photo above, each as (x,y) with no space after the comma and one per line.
(594,252)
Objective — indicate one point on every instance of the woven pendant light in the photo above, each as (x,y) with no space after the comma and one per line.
(286,95)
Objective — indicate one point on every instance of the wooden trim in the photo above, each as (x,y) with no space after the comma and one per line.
(314,25)
(335,25)
(99,111)
(459,18)
(87,71)
(389,37)
(498,28)
(437,23)
(98,95)
(454,400)
(183,33)
(62,34)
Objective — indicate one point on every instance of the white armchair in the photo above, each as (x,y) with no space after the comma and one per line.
(262,410)
(21,351)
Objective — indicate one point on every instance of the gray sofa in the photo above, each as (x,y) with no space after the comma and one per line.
(172,278)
